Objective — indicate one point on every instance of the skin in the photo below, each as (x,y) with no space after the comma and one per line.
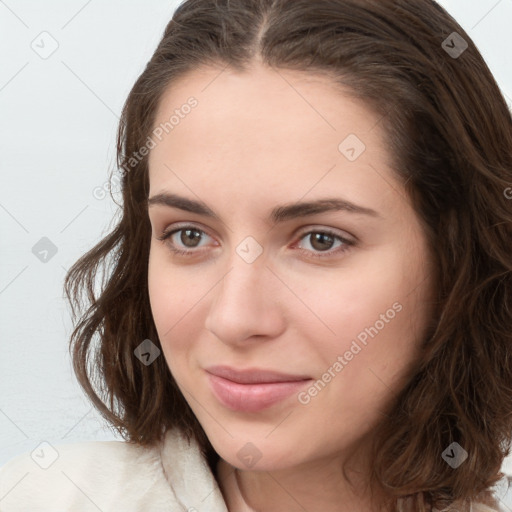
(257,140)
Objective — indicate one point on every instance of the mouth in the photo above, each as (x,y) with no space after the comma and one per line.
(252,390)
(254,375)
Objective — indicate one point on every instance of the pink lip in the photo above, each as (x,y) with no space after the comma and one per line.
(252,390)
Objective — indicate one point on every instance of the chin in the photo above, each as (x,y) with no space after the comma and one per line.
(256,453)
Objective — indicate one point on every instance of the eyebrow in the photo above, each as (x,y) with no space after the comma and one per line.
(278,214)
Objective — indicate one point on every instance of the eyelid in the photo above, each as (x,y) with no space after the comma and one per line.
(300,232)
(176,226)
(348,241)
(324,229)
(171,230)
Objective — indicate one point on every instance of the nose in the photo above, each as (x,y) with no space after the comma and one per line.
(246,304)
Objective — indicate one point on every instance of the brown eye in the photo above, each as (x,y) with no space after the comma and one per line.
(324,243)
(321,241)
(190,237)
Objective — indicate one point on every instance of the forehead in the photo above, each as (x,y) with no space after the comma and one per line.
(265,129)
(264,101)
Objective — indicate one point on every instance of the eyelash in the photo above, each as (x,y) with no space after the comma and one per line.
(180,252)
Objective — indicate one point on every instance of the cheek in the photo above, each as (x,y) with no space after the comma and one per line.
(171,292)
(377,317)
(177,299)
(168,298)
(362,369)
(352,301)
(383,343)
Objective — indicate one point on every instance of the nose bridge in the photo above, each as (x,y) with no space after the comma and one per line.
(244,284)
(247,272)
(244,301)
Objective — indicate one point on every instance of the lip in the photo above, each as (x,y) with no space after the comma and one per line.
(254,389)
(253,375)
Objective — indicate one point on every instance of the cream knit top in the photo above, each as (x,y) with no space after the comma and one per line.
(108,476)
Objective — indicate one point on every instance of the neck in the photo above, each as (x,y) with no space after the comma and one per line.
(317,486)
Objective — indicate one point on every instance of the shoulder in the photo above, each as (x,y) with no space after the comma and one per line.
(104,475)
(482,507)
(496,499)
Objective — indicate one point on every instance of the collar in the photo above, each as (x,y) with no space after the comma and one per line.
(189,475)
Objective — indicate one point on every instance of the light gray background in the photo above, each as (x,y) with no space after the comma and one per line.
(57,139)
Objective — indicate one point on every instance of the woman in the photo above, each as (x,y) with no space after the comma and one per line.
(308,298)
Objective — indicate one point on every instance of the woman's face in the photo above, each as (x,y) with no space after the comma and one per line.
(336,295)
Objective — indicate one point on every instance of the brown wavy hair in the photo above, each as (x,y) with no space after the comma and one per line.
(449,131)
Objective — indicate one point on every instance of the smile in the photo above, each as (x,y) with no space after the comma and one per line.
(252,397)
